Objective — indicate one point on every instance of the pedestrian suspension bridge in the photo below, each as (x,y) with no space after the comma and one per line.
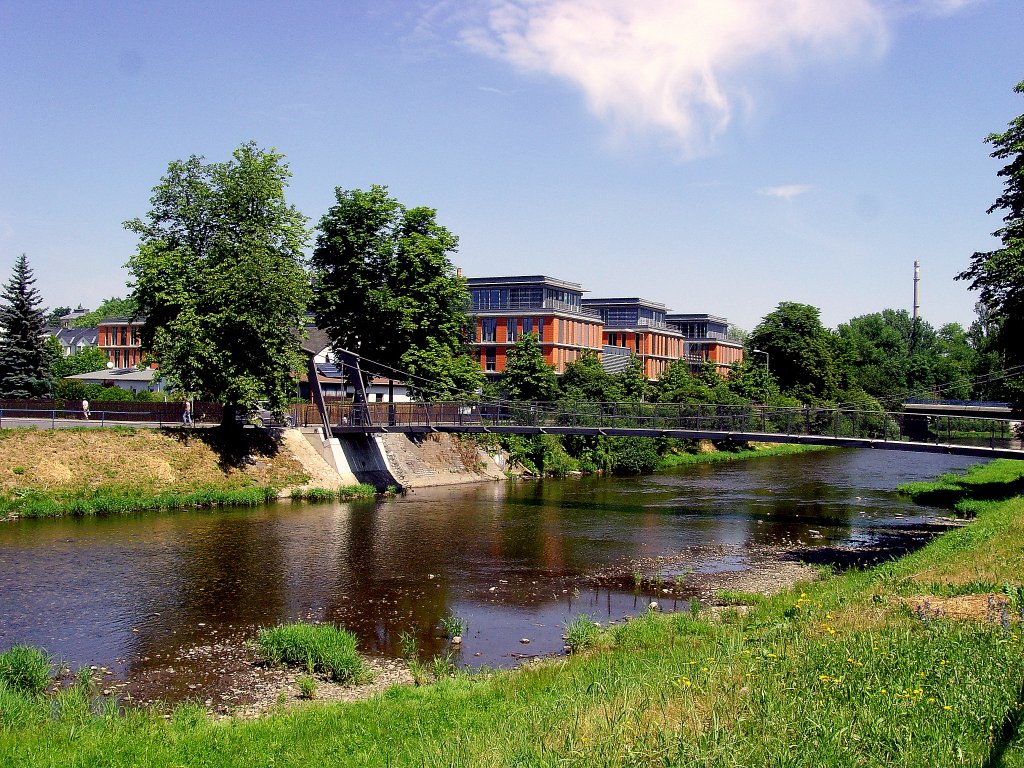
(909,430)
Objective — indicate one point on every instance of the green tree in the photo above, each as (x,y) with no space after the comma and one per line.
(115,306)
(678,385)
(527,375)
(806,358)
(998,275)
(751,381)
(386,289)
(633,380)
(84,361)
(220,279)
(586,380)
(54,315)
(24,354)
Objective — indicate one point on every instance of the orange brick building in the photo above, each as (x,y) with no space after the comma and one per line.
(706,338)
(119,338)
(506,308)
(639,326)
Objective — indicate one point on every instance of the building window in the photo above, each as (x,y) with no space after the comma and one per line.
(492,359)
(527,325)
(510,328)
(540,329)
(489,329)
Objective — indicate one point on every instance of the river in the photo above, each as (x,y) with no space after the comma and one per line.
(135,593)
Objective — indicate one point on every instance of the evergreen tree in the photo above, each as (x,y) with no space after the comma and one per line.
(998,275)
(24,353)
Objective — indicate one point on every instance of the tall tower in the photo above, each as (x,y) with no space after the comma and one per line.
(917,291)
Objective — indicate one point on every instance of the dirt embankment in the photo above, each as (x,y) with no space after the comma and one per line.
(144,460)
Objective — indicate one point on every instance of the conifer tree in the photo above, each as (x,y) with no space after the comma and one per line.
(24,357)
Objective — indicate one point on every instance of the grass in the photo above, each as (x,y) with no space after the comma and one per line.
(670,460)
(116,470)
(319,648)
(26,669)
(581,632)
(344,493)
(844,671)
(994,481)
(454,625)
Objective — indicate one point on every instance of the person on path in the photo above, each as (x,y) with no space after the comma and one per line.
(186,415)
(85,409)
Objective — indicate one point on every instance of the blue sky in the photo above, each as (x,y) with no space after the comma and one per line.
(716,155)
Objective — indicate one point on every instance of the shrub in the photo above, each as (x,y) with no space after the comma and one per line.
(26,669)
(307,686)
(454,625)
(322,648)
(634,455)
(580,633)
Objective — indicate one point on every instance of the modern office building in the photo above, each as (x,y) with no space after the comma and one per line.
(119,338)
(639,326)
(506,308)
(706,337)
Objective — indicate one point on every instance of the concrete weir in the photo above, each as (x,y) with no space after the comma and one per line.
(404,461)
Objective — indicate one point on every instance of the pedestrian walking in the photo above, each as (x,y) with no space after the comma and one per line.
(186,415)
(85,409)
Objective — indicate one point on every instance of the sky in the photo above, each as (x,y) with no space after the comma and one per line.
(717,156)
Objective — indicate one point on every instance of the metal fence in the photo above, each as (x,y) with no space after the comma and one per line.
(668,417)
(108,412)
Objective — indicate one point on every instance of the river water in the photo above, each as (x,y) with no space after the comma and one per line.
(135,593)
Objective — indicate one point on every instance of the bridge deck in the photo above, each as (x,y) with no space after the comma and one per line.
(968,436)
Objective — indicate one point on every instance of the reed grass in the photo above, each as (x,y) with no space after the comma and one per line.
(344,493)
(26,669)
(669,460)
(113,501)
(319,648)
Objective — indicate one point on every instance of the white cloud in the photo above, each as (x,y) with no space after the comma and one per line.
(679,69)
(785,191)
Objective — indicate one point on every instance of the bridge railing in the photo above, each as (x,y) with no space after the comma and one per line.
(662,417)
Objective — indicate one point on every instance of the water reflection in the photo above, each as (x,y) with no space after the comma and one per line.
(136,589)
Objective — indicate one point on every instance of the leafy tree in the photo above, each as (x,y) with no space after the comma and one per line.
(998,275)
(751,381)
(219,276)
(439,371)
(24,354)
(586,380)
(386,289)
(112,307)
(893,357)
(633,380)
(989,359)
(808,361)
(54,315)
(678,385)
(84,361)
(527,375)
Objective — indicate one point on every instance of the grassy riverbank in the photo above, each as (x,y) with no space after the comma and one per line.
(751,451)
(916,662)
(97,471)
